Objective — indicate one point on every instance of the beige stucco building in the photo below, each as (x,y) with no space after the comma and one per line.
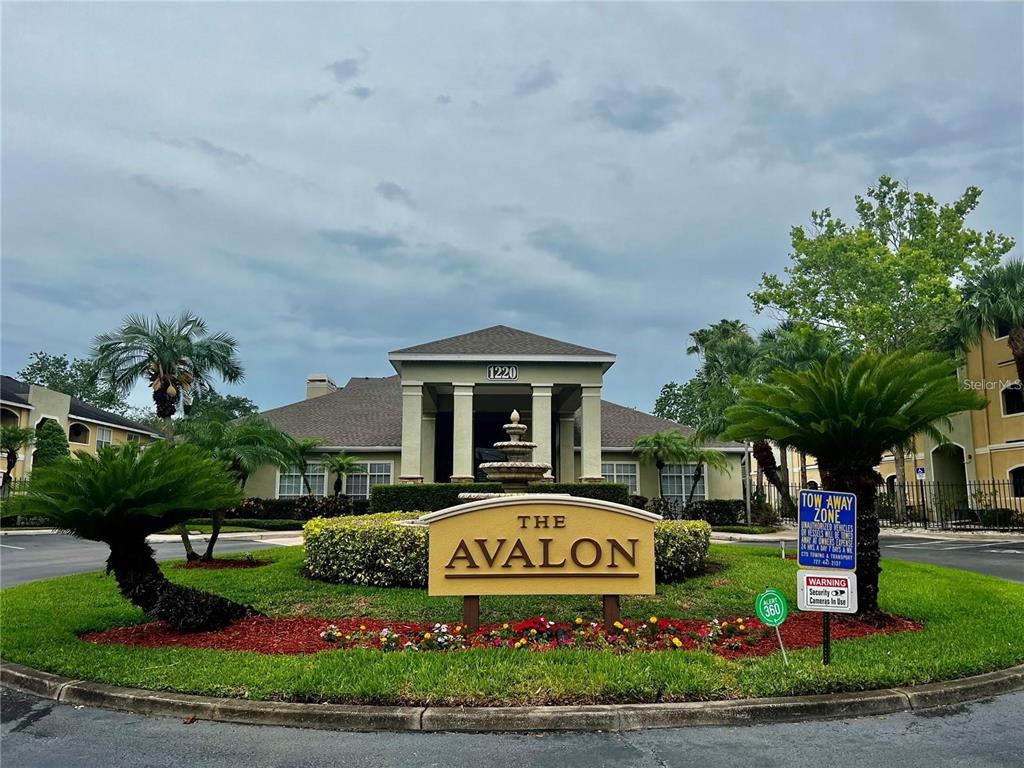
(437,418)
(982,446)
(86,426)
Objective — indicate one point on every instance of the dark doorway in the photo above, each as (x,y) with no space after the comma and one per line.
(444,429)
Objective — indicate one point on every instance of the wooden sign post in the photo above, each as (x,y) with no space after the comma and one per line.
(540,544)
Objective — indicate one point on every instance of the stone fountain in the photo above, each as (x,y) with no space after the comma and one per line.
(517,472)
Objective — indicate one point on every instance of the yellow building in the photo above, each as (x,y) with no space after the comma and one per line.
(984,452)
(86,426)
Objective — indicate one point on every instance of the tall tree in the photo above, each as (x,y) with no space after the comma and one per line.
(887,282)
(847,415)
(177,357)
(78,378)
(122,496)
(680,402)
(994,301)
(211,404)
(243,447)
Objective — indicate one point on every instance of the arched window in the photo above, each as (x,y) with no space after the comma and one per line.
(1017,481)
(78,433)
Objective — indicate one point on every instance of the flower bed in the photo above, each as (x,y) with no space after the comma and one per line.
(735,637)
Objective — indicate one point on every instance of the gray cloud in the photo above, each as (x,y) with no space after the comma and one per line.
(366,241)
(641,109)
(317,99)
(443,98)
(537,78)
(395,193)
(361,92)
(345,69)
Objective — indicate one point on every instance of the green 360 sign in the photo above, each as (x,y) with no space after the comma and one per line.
(771,607)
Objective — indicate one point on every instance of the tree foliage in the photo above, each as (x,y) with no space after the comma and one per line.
(994,301)
(887,282)
(78,377)
(51,444)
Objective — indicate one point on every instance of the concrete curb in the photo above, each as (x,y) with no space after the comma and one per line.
(606,717)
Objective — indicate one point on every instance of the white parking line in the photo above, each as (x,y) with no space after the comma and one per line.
(929,543)
(975,545)
(10,546)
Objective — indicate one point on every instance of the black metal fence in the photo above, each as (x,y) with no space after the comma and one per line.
(973,505)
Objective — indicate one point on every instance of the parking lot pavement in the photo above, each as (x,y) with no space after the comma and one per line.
(26,558)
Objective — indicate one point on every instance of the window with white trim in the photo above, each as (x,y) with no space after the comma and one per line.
(133,437)
(677,480)
(621,472)
(374,473)
(104,437)
(290,484)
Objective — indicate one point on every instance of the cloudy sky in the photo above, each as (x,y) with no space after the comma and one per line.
(330,182)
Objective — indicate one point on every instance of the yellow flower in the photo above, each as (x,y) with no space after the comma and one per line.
(626,630)
(653,619)
(579,619)
(725,624)
(677,642)
(426,635)
(533,631)
(617,625)
(348,637)
(504,626)
(362,627)
(458,628)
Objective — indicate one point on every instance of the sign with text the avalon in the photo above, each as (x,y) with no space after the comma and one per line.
(540,544)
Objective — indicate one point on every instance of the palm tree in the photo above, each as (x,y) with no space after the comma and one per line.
(301,450)
(177,357)
(12,440)
(995,298)
(242,447)
(123,495)
(673,447)
(847,415)
(341,465)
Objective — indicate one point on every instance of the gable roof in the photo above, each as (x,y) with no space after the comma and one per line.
(500,340)
(16,391)
(364,413)
(367,413)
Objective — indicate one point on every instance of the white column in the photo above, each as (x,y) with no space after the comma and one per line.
(427,440)
(566,449)
(540,432)
(462,434)
(412,428)
(590,426)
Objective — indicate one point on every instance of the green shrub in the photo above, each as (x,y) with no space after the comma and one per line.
(367,550)
(680,549)
(51,444)
(614,492)
(296,508)
(640,502)
(429,497)
(717,511)
(999,517)
(370,550)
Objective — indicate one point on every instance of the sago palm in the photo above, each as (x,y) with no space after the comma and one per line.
(341,465)
(177,357)
(123,495)
(847,415)
(996,298)
(242,447)
(673,447)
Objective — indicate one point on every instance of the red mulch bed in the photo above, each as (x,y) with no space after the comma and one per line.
(301,634)
(217,565)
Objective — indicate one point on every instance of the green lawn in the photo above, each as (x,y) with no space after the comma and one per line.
(972,625)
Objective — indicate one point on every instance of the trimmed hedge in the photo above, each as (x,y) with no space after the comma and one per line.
(370,550)
(615,492)
(297,508)
(429,497)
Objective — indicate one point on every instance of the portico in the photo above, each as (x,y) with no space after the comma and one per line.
(456,394)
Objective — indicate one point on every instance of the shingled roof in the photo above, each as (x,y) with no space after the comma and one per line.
(364,413)
(367,413)
(498,341)
(13,391)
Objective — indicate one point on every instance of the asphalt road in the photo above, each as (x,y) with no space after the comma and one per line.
(37,733)
(26,558)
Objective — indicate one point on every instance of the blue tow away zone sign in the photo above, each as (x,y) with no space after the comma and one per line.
(828,530)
